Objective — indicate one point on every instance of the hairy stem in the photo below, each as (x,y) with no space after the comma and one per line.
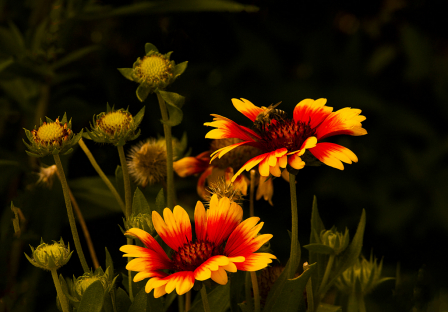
(169,153)
(102,175)
(326,274)
(62,299)
(295,227)
(127,182)
(249,300)
(253,277)
(71,217)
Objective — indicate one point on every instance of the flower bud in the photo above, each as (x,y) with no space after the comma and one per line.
(115,126)
(52,137)
(334,239)
(141,221)
(366,272)
(50,256)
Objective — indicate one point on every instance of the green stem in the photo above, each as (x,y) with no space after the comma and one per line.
(102,175)
(187,301)
(326,274)
(205,299)
(169,153)
(295,227)
(249,301)
(62,299)
(252,193)
(71,217)
(127,182)
(253,276)
(181,303)
(361,303)
(309,295)
(129,241)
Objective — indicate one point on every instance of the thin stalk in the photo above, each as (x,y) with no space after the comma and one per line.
(309,294)
(102,175)
(71,217)
(128,201)
(85,230)
(205,299)
(253,277)
(252,193)
(127,182)
(129,241)
(295,227)
(62,299)
(361,303)
(249,301)
(187,301)
(169,153)
(326,274)
(181,303)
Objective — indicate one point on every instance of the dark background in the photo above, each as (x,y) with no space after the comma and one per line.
(388,58)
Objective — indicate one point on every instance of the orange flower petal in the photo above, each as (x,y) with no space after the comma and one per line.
(204,271)
(308,143)
(200,221)
(181,281)
(175,228)
(156,282)
(255,262)
(200,187)
(296,162)
(283,161)
(159,291)
(188,166)
(250,164)
(265,189)
(344,121)
(222,151)
(247,108)
(275,170)
(332,154)
(149,242)
(220,276)
(312,111)
(227,128)
(241,183)
(222,218)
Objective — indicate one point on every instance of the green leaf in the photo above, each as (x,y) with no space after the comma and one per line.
(139,203)
(320,249)
(150,47)
(180,68)
(142,92)
(347,258)
(160,202)
(74,56)
(126,72)
(174,103)
(92,299)
(139,117)
(325,307)
(169,300)
(237,281)
(140,302)
(289,296)
(5,62)
(218,299)
(154,304)
(109,264)
(122,300)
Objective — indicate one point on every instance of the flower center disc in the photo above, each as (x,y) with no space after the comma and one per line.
(114,122)
(51,133)
(286,133)
(192,255)
(154,67)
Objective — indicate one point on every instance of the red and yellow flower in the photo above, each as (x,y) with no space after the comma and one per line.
(223,169)
(223,244)
(283,140)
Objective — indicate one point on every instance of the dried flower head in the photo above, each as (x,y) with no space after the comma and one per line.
(115,126)
(147,162)
(47,175)
(154,71)
(222,188)
(50,256)
(52,137)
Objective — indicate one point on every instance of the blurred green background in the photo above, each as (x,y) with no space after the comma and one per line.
(388,58)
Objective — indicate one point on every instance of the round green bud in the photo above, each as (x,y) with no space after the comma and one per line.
(50,256)
(334,239)
(141,221)
(81,284)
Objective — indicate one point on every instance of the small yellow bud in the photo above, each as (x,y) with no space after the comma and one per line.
(50,256)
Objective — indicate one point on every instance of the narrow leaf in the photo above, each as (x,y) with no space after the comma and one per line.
(142,92)
(160,202)
(126,72)
(174,103)
(218,299)
(109,264)
(320,249)
(122,300)
(140,302)
(139,203)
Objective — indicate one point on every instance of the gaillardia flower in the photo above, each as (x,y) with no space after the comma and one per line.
(52,137)
(220,168)
(154,71)
(223,244)
(284,141)
(115,126)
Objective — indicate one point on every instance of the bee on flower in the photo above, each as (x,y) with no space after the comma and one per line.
(223,244)
(284,141)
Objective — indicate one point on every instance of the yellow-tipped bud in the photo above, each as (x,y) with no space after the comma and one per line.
(50,256)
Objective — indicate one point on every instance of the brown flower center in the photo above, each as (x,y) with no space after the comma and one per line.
(237,157)
(193,254)
(286,133)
